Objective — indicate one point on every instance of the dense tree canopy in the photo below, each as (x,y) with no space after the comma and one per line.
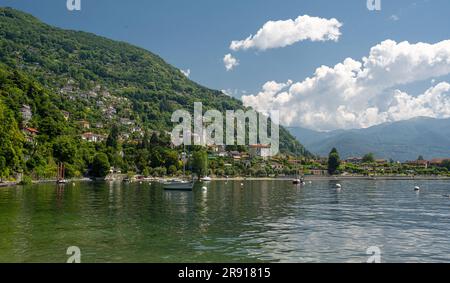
(200,163)
(11,141)
(368,158)
(100,166)
(334,161)
(118,96)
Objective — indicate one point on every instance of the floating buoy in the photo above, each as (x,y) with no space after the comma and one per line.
(416,188)
(310,182)
(204,188)
(242,184)
(338,186)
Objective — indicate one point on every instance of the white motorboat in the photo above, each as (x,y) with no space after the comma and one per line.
(178,185)
(206,179)
(299,181)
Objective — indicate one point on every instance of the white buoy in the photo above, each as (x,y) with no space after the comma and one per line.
(242,184)
(204,188)
(338,186)
(310,182)
(417,188)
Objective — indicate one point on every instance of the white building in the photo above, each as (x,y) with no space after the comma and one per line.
(260,150)
(91,137)
(26,113)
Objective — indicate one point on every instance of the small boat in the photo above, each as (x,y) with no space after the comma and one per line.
(206,179)
(178,185)
(298,181)
(61,172)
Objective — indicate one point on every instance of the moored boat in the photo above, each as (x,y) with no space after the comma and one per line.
(299,181)
(61,173)
(178,185)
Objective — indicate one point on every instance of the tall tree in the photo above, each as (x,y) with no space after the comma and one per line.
(145,142)
(100,166)
(200,163)
(334,161)
(446,164)
(11,140)
(64,149)
(113,138)
(2,168)
(154,140)
(368,158)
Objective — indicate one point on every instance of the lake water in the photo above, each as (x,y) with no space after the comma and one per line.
(261,221)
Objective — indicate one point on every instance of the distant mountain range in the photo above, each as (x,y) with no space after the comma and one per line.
(404,140)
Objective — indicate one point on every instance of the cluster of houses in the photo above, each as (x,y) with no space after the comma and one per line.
(263,152)
(28,132)
(91,137)
(108,106)
(416,163)
(254,151)
(437,162)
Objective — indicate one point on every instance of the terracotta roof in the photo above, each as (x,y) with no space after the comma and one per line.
(32,130)
(438,160)
(259,146)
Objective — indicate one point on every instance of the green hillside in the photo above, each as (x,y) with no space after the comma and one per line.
(76,82)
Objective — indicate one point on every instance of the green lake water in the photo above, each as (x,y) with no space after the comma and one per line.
(261,221)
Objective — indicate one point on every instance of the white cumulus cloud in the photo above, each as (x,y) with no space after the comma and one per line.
(230,62)
(360,94)
(275,34)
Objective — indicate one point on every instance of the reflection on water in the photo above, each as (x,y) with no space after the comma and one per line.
(270,221)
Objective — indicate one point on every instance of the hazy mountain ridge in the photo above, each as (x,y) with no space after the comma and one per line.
(404,140)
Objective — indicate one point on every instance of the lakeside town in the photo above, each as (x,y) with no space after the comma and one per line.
(252,161)
(98,130)
(170,132)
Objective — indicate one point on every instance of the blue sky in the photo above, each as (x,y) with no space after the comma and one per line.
(196,34)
